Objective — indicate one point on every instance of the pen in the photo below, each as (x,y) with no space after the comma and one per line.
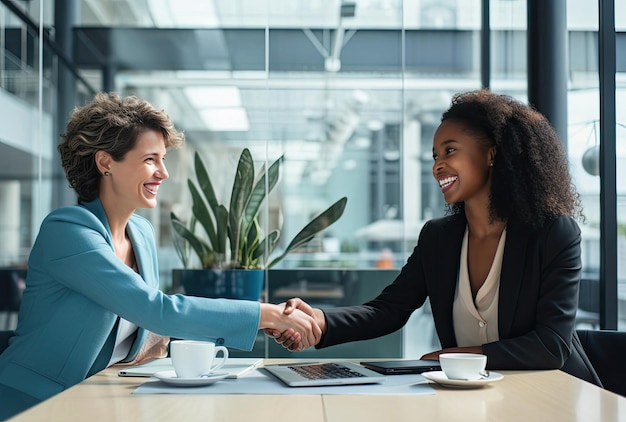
(300,364)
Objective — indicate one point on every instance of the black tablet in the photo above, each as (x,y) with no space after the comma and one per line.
(399,367)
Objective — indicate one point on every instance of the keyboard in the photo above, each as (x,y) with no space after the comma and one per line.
(325,371)
(315,374)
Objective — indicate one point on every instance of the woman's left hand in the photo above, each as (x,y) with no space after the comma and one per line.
(154,347)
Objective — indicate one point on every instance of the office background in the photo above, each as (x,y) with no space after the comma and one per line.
(350,92)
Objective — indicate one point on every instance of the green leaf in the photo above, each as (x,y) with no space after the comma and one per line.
(237,226)
(319,223)
(203,250)
(242,187)
(258,195)
(182,250)
(250,244)
(221,222)
(268,244)
(220,228)
(202,214)
(205,181)
(246,244)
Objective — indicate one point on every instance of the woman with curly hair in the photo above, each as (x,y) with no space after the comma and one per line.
(502,268)
(92,295)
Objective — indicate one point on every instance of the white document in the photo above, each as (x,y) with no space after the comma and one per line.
(236,367)
(257,382)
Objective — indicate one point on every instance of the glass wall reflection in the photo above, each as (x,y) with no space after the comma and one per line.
(620,112)
(349,93)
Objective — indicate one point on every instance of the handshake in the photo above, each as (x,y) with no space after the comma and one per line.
(293,324)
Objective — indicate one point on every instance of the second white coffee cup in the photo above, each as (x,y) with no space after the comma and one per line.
(463,366)
(193,359)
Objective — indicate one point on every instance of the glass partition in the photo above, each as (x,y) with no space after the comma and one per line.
(620,139)
(25,151)
(30,176)
(348,93)
(23,148)
(583,145)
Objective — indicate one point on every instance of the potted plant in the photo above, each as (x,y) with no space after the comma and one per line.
(228,242)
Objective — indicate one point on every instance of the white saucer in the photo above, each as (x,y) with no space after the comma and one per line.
(440,378)
(169,377)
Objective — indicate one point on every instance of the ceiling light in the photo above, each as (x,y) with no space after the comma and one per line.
(349,164)
(391,155)
(362,142)
(232,119)
(183,13)
(360,96)
(375,125)
(204,74)
(213,96)
(332,64)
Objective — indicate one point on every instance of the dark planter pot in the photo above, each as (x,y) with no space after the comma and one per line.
(230,284)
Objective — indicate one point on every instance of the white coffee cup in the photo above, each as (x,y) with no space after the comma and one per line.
(463,366)
(193,359)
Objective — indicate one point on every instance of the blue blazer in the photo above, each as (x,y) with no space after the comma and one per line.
(76,287)
(537,304)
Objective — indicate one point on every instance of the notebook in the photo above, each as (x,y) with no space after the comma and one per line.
(399,367)
(235,367)
(321,374)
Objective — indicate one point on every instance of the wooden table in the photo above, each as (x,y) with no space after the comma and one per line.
(529,396)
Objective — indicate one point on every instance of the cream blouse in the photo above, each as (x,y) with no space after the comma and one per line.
(126,334)
(476,321)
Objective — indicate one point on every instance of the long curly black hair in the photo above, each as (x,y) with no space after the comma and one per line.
(530,176)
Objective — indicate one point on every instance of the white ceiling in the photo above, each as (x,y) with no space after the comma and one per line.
(307,113)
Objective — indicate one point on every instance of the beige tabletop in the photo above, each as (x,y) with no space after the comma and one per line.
(529,396)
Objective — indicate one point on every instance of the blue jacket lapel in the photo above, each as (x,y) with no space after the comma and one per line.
(144,266)
(145,269)
(139,249)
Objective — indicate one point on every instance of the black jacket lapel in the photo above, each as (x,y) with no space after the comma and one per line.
(449,247)
(511,276)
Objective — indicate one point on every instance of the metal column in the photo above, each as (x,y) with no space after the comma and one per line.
(485,46)
(66,14)
(547,61)
(608,181)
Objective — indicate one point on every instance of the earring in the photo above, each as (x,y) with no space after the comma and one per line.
(491,164)
(106,173)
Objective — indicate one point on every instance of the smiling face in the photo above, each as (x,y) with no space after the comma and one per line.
(134,181)
(462,163)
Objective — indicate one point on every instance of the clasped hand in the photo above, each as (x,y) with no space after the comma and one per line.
(292,337)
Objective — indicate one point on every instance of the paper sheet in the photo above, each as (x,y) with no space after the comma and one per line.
(235,367)
(257,382)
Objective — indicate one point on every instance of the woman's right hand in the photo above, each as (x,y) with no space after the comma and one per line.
(301,327)
(289,338)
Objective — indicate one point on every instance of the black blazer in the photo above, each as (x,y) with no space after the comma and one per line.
(538,296)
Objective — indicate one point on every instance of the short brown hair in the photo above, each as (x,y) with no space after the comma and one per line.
(108,123)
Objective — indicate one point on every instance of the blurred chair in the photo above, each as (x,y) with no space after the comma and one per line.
(606,351)
(588,313)
(5,335)
(11,287)
(587,319)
